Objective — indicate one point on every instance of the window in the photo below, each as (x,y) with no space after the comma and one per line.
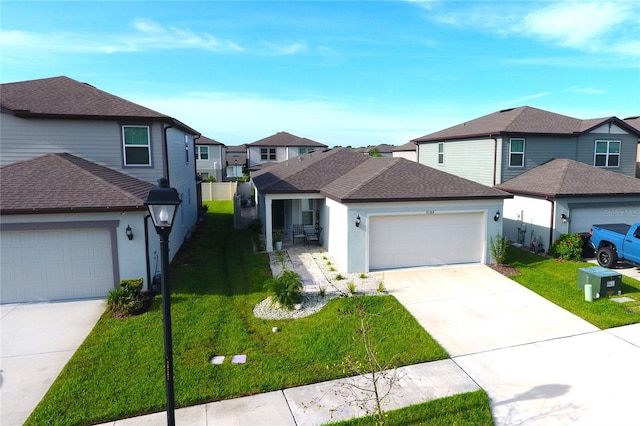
(305,150)
(441,153)
(137,146)
(516,153)
(267,153)
(607,154)
(307,212)
(202,152)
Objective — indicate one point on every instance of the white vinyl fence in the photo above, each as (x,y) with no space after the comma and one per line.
(218,191)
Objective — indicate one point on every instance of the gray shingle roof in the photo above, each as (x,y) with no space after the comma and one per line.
(569,178)
(287,139)
(63,97)
(521,120)
(348,176)
(409,146)
(203,140)
(65,183)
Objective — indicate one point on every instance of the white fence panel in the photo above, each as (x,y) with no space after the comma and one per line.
(214,191)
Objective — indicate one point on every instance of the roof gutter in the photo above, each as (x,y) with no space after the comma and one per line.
(495,158)
(165,150)
(551,220)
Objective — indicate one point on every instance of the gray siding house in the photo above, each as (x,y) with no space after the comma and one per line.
(565,173)
(497,147)
(100,141)
(210,159)
(277,148)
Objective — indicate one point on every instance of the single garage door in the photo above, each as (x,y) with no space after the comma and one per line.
(55,265)
(424,240)
(581,219)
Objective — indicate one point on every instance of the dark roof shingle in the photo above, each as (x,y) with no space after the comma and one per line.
(521,120)
(63,97)
(346,175)
(570,178)
(287,139)
(66,183)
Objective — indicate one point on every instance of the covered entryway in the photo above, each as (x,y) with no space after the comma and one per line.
(56,264)
(401,241)
(581,219)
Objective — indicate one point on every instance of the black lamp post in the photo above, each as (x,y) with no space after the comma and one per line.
(163,203)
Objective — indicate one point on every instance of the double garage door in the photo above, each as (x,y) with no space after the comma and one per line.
(55,265)
(401,241)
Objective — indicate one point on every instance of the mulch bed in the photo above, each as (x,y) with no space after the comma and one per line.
(506,270)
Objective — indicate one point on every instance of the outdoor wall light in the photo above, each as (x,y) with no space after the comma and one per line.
(129,233)
(496,217)
(564,218)
(358,221)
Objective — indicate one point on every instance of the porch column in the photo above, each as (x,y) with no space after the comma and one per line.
(268,224)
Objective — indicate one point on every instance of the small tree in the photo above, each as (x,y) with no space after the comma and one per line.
(498,246)
(286,288)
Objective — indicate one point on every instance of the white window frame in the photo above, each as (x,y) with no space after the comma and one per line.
(512,152)
(125,147)
(440,153)
(268,154)
(200,150)
(607,155)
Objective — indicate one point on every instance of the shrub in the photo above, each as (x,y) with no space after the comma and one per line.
(126,299)
(351,287)
(567,247)
(286,288)
(340,277)
(498,246)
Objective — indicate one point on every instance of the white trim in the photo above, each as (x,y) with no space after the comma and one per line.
(517,152)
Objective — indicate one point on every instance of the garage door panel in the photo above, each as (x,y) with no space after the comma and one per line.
(422,240)
(55,264)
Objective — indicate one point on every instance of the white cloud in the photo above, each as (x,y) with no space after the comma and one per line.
(523,100)
(147,35)
(576,24)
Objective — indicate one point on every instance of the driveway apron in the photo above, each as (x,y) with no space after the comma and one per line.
(38,339)
(539,363)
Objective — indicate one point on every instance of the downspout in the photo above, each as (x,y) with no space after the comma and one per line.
(195,174)
(495,158)
(146,250)
(551,220)
(165,146)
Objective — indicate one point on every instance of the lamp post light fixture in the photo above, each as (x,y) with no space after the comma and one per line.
(163,203)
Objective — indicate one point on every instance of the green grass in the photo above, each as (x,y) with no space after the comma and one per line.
(216,281)
(557,281)
(470,408)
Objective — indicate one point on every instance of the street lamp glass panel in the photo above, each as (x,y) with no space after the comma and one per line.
(162,215)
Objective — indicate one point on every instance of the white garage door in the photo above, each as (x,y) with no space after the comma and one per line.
(55,265)
(582,218)
(425,240)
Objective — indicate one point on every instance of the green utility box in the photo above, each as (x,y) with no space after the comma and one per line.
(604,282)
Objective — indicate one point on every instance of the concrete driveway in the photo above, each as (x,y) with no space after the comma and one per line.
(539,363)
(38,339)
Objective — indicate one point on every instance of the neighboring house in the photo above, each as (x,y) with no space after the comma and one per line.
(566,196)
(384,150)
(210,158)
(408,151)
(61,115)
(500,146)
(380,213)
(635,122)
(277,148)
(236,161)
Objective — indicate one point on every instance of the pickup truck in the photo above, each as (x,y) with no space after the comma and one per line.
(616,241)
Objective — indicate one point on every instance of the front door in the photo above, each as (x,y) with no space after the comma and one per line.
(277,214)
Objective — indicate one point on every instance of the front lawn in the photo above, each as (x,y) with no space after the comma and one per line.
(216,281)
(557,281)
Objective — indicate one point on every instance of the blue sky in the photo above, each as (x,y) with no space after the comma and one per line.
(343,73)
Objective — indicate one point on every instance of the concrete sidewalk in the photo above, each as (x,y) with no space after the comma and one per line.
(318,403)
